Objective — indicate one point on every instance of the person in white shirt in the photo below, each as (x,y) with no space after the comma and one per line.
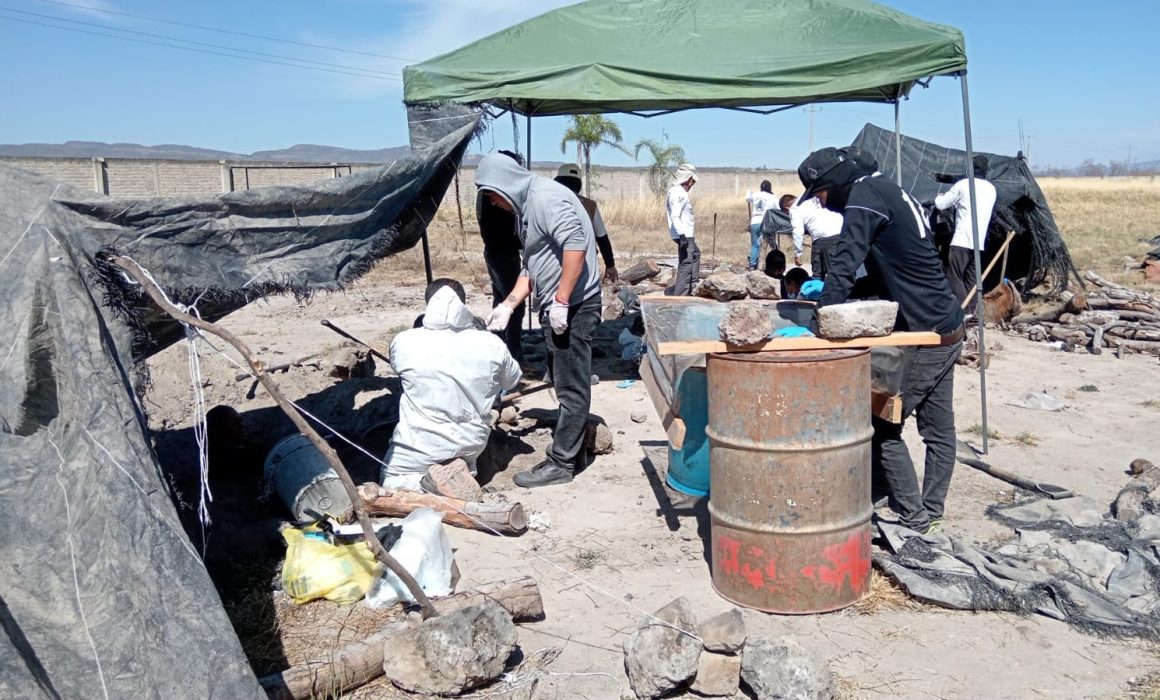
(960,263)
(758,202)
(679,210)
(452,375)
(823,225)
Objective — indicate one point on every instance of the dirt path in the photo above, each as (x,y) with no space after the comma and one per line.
(615,549)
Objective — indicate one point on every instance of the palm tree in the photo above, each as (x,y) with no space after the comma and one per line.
(665,159)
(588,131)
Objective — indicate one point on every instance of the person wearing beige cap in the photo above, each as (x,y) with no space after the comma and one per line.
(680,215)
(569,176)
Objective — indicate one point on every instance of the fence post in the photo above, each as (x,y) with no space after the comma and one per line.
(100,176)
(227,177)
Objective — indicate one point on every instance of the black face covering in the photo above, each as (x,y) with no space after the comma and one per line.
(838,181)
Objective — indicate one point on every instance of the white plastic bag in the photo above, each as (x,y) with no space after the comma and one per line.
(425,552)
(1038,401)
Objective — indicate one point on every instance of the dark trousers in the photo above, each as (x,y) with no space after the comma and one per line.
(570,360)
(688,267)
(927,392)
(961,273)
(822,250)
(504,270)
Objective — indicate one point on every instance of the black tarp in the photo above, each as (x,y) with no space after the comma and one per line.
(103,595)
(1038,252)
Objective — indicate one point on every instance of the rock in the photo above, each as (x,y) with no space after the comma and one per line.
(598,437)
(1139,466)
(452,653)
(639,416)
(723,286)
(614,310)
(718,675)
(659,658)
(351,363)
(745,324)
(1149,479)
(509,415)
(724,633)
(455,480)
(762,286)
(1129,504)
(783,669)
(857,319)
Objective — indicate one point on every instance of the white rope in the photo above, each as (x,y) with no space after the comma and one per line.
(451,503)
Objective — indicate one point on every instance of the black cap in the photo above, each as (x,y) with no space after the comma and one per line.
(864,159)
(813,169)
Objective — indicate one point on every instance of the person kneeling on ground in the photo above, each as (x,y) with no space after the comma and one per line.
(452,375)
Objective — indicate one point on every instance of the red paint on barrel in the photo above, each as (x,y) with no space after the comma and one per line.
(752,576)
(728,550)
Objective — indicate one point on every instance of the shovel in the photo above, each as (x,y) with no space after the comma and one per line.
(1052,491)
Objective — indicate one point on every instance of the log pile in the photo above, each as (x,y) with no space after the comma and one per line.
(1110,317)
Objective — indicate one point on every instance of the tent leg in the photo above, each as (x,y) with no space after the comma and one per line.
(978,259)
(427,258)
(897,143)
(529,146)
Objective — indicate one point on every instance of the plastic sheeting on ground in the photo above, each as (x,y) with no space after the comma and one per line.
(103,594)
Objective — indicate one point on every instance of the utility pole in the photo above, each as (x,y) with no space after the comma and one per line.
(811,109)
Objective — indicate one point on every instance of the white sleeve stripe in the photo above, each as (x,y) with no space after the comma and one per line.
(873,211)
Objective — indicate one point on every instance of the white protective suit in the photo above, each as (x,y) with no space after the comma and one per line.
(451,376)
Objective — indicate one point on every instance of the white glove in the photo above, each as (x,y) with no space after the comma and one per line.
(499,317)
(558,317)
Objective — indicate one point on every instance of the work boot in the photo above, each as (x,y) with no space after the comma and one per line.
(545,473)
(453,480)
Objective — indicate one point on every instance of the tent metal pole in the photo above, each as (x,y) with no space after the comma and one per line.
(897,143)
(529,146)
(978,258)
(427,257)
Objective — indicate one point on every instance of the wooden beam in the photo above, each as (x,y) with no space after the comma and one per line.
(888,407)
(674,426)
(678,347)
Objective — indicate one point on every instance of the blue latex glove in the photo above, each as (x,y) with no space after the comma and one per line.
(793,332)
(811,290)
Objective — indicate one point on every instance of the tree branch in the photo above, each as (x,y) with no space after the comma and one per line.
(139,275)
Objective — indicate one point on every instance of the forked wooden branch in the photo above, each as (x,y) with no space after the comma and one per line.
(139,275)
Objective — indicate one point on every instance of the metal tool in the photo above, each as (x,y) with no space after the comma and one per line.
(1052,491)
(348,336)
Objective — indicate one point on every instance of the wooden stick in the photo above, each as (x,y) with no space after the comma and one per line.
(278,368)
(142,278)
(505,518)
(673,425)
(1003,250)
(360,662)
(678,347)
(888,407)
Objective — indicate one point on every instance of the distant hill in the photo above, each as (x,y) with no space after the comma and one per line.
(302,153)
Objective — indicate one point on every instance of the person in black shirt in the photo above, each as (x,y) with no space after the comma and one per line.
(501,252)
(884,228)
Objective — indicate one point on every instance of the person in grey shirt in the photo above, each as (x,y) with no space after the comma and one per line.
(561,276)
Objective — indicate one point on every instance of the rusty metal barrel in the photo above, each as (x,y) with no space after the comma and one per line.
(789,496)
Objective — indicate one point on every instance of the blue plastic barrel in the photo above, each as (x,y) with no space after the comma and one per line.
(689,465)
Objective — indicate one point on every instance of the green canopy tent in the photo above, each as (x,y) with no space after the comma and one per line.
(652,57)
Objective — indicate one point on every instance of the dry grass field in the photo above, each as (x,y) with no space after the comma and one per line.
(1103,220)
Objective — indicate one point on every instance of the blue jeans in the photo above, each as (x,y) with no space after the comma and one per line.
(754,244)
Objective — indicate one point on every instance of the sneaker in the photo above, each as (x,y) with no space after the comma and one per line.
(453,480)
(543,474)
(934,528)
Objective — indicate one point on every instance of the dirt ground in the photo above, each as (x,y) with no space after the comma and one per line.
(616,547)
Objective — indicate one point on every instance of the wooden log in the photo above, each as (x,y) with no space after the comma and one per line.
(1148,346)
(674,426)
(1074,305)
(643,270)
(703,346)
(505,518)
(888,407)
(1129,315)
(1070,335)
(360,662)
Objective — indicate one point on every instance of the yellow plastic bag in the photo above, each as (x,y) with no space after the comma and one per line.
(315,568)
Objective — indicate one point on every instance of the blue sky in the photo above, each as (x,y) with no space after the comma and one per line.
(1080,75)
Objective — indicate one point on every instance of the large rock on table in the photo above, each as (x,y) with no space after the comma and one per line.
(859,319)
(452,653)
(724,286)
(745,323)
(784,670)
(658,657)
(762,286)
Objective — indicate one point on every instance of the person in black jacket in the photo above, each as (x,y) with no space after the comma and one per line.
(501,252)
(884,228)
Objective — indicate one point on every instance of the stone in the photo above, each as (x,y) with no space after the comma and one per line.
(598,437)
(453,480)
(1129,504)
(660,658)
(857,319)
(509,415)
(762,286)
(718,675)
(614,310)
(351,363)
(452,653)
(745,324)
(1139,466)
(638,416)
(723,286)
(724,633)
(783,669)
